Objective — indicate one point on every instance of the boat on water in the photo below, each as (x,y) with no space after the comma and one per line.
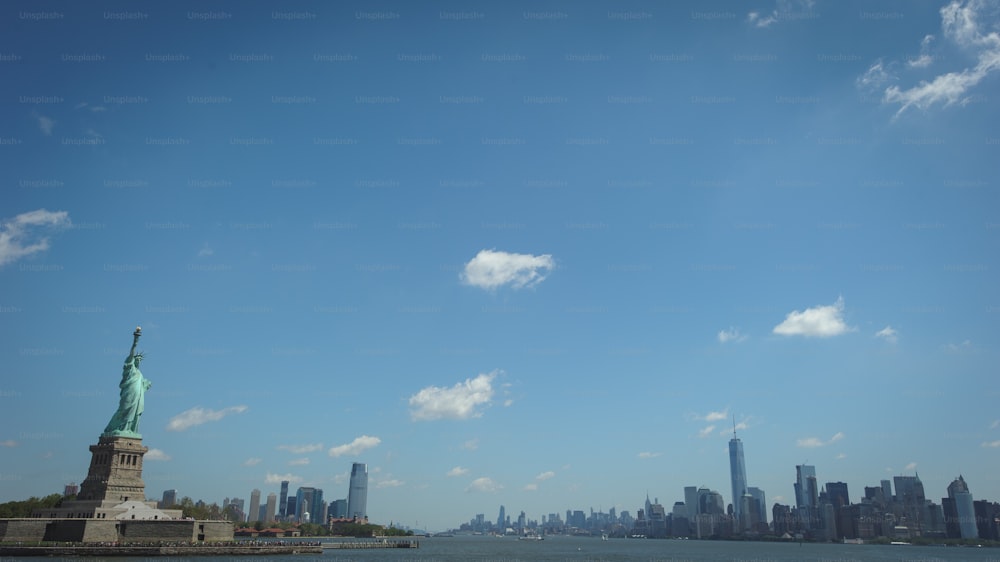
(531,537)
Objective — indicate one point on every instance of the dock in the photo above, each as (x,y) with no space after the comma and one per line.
(358,545)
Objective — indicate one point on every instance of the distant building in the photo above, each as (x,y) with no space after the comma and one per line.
(737,475)
(964,508)
(254,512)
(169,498)
(337,509)
(290,507)
(71,489)
(759,505)
(305,504)
(357,497)
(283,500)
(269,509)
(806,495)
(836,492)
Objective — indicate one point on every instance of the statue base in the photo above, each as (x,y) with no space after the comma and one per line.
(115,472)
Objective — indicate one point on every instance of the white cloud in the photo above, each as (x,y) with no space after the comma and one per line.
(341,478)
(911,466)
(648,455)
(156,455)
(820,321)
(457,471)
(545,476)
(355,447)
(279,478)
(491,269)
(205,251)
(784,10)
(392,483)
(925,59)
(252,461)
(812,442)
(875,78)
(46,124)
(508,403)
(198,416)
(484,484)
(459,402)
(991,443)
(732,334)
(18,236)
(530,487)
(962,22)
(8,443)
(471,445)
(301,449)
(956,347)
(888,334)
(841,456)
(706,431)
(995,424)
(299,462)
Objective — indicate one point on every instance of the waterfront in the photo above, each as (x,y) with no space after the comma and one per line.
(561,548)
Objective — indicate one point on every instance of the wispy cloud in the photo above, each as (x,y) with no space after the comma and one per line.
(706,431)
(471,445)
(958,347)
(972,26)
(8,443)
(911,466)
(197,416)
(888,334)
(491,269)
(530,487)
(991,443)
(299,462)
(995,424)
(812,442)
(272,478)
(732,334)
(90,108)
(46,124)
(156,455)
(484,484)
(457,471)
(925,59)
(205,251)
(355,447)
(20,236)
(301,449)
(253,461)
(820,321)
(784,10)
(648,455)
(713,416)
(391,483)
(548,474)
(459,402)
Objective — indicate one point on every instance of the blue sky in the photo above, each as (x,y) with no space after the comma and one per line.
(539,255)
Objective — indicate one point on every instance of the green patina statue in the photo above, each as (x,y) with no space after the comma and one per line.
(125,422)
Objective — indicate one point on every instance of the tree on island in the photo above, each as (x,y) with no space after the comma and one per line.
(23,508)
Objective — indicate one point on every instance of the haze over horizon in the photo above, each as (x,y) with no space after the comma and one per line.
(538,255)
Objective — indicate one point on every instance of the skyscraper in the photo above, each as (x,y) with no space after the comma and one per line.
(272,505)
(304,504)
(737,474)
(254,511)
(806,495)
(283,500)
(502,518)
(357,497)
(169,498)
(958,491)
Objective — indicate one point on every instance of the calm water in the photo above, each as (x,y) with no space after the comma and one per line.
(557,549)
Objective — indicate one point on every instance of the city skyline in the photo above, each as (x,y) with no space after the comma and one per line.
(498,254)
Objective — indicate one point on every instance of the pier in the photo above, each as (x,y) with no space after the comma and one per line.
(385,543)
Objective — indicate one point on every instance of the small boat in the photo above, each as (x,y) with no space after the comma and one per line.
(531,537)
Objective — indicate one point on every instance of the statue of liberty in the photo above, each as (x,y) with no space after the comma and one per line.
(125,422)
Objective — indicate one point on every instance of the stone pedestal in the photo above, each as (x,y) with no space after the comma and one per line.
(115,472)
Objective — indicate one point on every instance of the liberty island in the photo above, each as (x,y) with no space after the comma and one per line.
(110,515)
